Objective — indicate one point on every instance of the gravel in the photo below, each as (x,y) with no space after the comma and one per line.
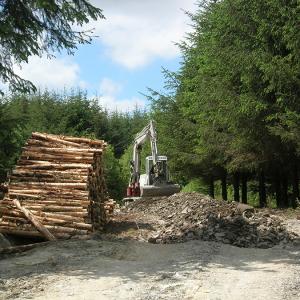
(190,216)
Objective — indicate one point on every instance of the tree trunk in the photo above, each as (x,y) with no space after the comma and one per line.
(277,184)
(224,186)
(236,187)
(285,199)
(211,187)
(244,188)
(262,190)
(295,184)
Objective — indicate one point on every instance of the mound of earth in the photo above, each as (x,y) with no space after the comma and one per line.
(190,216)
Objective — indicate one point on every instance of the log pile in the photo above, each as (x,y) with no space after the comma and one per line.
(57,189)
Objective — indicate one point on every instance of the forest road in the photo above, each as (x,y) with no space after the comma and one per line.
(128,269)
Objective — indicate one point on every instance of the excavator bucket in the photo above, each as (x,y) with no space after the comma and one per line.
(159,190)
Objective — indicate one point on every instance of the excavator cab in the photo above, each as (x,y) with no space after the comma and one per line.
(155,182)
(158,173)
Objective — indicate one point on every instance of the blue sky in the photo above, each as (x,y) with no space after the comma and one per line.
(128,83)
(135,41)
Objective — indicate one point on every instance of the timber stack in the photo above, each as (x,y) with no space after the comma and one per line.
(57,189)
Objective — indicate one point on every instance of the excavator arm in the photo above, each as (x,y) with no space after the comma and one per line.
(148,133)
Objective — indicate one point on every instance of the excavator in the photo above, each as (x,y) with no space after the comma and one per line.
(156,182)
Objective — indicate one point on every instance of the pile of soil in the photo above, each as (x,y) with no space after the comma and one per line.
(190,216)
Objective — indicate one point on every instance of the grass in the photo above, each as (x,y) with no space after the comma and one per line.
(198,185)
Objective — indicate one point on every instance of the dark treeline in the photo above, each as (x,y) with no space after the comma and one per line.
(68,114)
(231,114)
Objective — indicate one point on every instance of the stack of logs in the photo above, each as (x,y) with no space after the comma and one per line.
(57,189)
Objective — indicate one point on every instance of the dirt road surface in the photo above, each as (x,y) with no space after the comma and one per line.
(127,269)
(120,264)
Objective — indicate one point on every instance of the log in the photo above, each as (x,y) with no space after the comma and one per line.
(67,151)
(58,202)
(46,179)
(32,219)
(55,139)
(43,165)
(40,143)
(22,248)
(49,185)
(38,214)
(49,221)
(14,219)
(10,212)
(51,173)
(65,193)
(28,155)
(43,194)
(31,159)
(81,140)
(61,202)
(17,231)
(21,195)
(54,208)
(69,230)
(29,151)
(73,214)
(63,223)
(75,217)
(50,164)
(56,229)
(20,232)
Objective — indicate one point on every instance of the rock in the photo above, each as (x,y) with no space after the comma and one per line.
(296,242)
(199,232)
(152,240)
(220,235)
(190,235)
(241,208)
(185,210)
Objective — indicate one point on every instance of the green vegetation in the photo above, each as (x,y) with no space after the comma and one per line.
(231,113)
(38,27)
(116,176)
(68,114)
(228,120)
(196,185)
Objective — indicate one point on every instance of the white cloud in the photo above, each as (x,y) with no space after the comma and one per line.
(113,103)
(136,32)
(109,97)
(109,87)
(55,73)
